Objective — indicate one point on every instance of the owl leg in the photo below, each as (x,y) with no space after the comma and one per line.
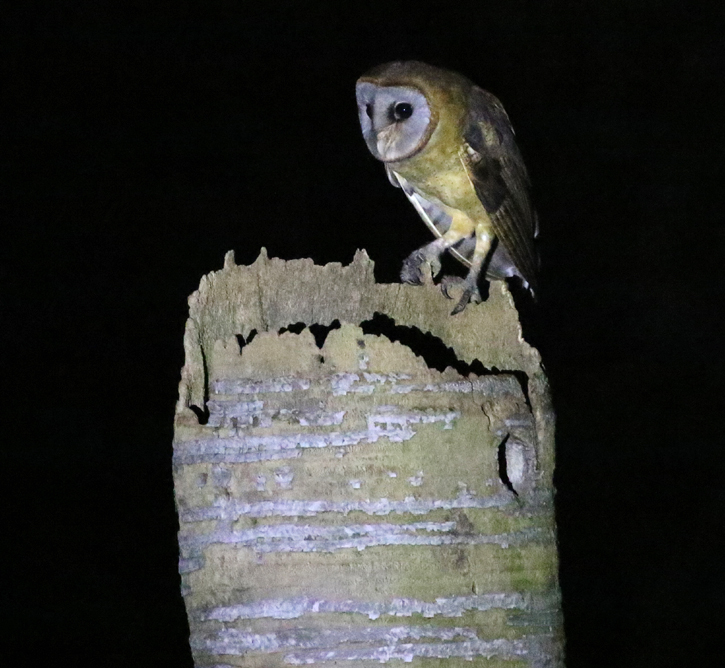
(412,271)
(470,283)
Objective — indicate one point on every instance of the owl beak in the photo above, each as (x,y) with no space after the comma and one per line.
(385,139)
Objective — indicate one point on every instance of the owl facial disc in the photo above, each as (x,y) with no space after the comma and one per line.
(394,120)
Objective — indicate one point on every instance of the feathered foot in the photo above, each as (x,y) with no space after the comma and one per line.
(413,271)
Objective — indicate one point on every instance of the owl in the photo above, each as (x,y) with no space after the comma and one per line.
(450,147)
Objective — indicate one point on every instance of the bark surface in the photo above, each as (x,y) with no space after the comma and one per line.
(343,503)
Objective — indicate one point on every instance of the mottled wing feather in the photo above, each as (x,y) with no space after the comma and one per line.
(499,176)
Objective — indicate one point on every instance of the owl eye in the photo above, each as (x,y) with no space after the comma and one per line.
(402,111)
(369,110)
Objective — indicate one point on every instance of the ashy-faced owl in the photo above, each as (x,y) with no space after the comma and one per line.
(450,146)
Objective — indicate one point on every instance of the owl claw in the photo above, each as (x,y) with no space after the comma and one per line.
(471,293)
(413,271)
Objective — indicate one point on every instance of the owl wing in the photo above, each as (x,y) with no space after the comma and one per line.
(437,220)
(498,174)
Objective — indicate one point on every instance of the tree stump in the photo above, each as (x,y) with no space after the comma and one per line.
(344,502)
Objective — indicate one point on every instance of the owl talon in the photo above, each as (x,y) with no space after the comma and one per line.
(471,293)
(413,271)
(448,282)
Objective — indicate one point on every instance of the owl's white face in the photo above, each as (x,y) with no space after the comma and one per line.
(394,120)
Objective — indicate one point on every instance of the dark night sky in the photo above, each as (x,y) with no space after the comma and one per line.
(148,138)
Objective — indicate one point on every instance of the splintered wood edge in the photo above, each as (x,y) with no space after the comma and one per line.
(271,294)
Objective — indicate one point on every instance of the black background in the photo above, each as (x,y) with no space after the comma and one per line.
(145,139)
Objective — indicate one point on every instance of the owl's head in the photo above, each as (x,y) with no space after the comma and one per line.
(400,105)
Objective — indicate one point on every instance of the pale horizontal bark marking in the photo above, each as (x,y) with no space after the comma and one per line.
(244,386)
(237,641)
(469,649)
(190,565)
(310,532)
(234,458)
(246,448)
(234,509)
(373,539)
(253,413)
(455,606)
(342,383)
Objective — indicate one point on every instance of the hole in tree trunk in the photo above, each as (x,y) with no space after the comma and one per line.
(503,466)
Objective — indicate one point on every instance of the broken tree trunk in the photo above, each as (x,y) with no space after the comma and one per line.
(343,502)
